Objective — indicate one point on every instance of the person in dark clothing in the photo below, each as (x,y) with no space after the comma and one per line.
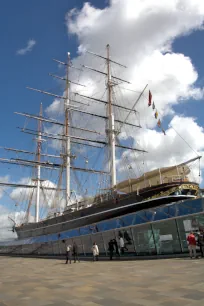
(201,242)
(116,247)
(111,249)
(75,252)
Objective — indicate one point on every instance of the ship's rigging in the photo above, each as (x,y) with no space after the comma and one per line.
(109,140)
(73,133)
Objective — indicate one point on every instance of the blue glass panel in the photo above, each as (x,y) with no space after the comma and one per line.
(108,225)
(183,209)
(101,226)
(140,218)
(127,220)
(64,235)
(172,210)
(111,224)
(84,230)
(41,239)
(73,233)
(149,215)
(53,237)
(196,205)
(160,213)
(93,229)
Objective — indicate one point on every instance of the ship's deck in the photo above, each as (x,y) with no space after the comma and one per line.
(28,282)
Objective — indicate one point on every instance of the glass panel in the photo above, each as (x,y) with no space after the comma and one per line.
(99,241)
(149,215)
(93,229)
(43,249)
(140,218)
(166,237)
(172,210)
(127,220)
(128,241)
(84,230)
(64,235)
(55,246)
(36,247)
(79,244)
(107,225)
(187,224)
(107,236)
(160,213)
(41,239)
(49,248)
(87,244)
(144,240)
(73,233)
(184,209)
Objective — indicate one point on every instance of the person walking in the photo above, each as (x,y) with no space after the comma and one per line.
(192,244)
(201,242)
(68,253)
(75,252)
(111,249)
(122,244)
(95,251)
(116,248)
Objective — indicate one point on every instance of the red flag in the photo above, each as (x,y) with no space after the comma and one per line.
(159,123)
(150,98)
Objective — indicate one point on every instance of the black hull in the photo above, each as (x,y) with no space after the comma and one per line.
(97,216)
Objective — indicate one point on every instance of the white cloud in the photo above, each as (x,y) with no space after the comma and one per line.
(47,197)
(6,224)
(167,150)
(141,36)
(29,47)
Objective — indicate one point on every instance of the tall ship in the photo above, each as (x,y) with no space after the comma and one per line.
(83,183)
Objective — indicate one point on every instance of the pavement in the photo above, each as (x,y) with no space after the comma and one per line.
(166,282)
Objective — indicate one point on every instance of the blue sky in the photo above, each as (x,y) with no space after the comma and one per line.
(44,22)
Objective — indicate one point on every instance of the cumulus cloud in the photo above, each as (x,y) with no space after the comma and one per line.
(29,47)
(7,220)
(47,197)
(141,36)
(167,150)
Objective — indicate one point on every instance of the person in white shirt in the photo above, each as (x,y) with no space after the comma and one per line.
(95,251)
(122,244)
(68,253)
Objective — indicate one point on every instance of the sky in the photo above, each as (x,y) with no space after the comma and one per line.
(162,45)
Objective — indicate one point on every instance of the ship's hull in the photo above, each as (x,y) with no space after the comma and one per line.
(149,198)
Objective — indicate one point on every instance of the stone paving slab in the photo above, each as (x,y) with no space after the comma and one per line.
(165,282)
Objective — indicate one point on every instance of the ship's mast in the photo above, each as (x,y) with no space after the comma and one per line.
(67,138)
(111,129)
(39,143)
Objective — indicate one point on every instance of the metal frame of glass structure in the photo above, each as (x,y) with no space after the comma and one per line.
(161,230)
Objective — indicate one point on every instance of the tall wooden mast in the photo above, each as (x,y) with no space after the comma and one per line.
(67,138)
(111,127)
(39,143)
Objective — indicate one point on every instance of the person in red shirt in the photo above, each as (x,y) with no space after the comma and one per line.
(192,244)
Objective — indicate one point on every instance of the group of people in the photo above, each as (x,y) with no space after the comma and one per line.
(196,240)
(71,250)
(113,247)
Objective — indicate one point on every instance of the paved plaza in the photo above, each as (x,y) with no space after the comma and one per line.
(29,281)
